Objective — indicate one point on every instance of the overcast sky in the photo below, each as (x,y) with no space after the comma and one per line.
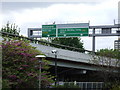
(34,14)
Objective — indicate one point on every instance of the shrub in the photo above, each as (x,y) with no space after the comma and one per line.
(20,68)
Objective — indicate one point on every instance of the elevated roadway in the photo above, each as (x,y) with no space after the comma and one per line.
(65,58)
(69,59)
(71,64)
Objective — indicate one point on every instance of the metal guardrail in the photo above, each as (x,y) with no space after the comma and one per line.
(91,85)
(44,42)
(86,85)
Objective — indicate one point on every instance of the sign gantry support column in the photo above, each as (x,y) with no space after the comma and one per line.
(93,41)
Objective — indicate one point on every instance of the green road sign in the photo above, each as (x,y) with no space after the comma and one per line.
(57,31)
(49,30)
(72,32)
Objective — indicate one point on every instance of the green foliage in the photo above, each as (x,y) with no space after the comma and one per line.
(73,42)
(109,62)
(109,53)
(5,83)
(11,28)
(115,87)
(107,57)
(20,68)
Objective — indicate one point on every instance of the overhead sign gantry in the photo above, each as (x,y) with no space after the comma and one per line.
(65,30)
(74,30)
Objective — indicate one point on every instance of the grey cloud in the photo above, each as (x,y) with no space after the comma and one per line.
(14,6)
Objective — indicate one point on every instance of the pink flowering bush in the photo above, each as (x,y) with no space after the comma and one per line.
(20,67)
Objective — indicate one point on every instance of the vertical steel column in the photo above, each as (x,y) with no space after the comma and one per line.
(93,41)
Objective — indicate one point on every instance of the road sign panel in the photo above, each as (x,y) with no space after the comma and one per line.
(65,30)
(71,32)
(49,30)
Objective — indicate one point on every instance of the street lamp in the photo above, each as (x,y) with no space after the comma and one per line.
(55,52)
(40,61)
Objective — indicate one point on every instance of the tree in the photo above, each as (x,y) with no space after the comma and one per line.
(72,42)
(11,28)
(109,62)
(20,68)
(111,53)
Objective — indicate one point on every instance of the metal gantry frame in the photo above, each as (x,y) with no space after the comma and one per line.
(36,30)
(106,30)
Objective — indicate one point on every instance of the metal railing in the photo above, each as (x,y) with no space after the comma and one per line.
(87,85)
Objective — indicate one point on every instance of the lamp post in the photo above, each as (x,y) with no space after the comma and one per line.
(40,61)
(55,52)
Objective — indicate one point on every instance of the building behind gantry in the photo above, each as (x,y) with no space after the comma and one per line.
(117,42)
